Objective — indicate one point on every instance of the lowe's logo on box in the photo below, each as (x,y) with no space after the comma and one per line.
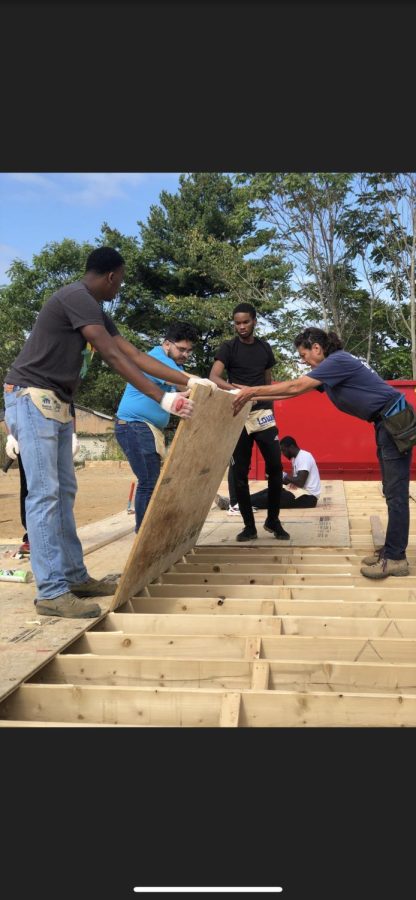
(264,419)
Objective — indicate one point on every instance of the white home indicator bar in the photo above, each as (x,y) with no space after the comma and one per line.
(208,890)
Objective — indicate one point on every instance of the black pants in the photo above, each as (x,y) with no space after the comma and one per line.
(395,474)
(269,446)
(287,500)
(232,490)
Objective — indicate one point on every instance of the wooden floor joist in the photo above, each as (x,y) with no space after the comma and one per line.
(231,636)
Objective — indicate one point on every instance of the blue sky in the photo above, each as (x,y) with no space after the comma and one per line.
(37,208)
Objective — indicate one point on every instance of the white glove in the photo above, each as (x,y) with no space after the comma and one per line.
(177,402)
(75,445)
(195,379)
(12,447)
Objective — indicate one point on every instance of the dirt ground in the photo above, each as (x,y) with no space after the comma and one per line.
(103,490)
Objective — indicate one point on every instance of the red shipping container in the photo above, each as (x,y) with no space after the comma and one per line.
(343,446)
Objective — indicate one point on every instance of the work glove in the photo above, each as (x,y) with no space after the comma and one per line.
(75,445)
(195,379)
(12,447)
(177,402)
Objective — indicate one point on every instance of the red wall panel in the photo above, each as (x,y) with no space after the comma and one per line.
(343,446)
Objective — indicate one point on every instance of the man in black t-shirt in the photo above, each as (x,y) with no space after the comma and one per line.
(39,388)
(248,360)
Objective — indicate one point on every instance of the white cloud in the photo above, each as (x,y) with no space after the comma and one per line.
(79,188)
(31,178)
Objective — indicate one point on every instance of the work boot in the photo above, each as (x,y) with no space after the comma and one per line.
(247,534)
(385,567)
(94,588)
(374,558)
(276,529)
(221,502)
(68,606)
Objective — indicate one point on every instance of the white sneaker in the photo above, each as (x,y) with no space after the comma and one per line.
(234,511)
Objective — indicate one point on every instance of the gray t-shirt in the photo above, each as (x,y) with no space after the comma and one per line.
(352,385)
(53,353)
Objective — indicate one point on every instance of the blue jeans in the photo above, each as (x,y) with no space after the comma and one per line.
(395,475)
(138,443)
(46,452)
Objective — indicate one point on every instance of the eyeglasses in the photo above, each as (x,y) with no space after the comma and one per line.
(183,350)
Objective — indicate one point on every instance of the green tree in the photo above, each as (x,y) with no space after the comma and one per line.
(201,253)
(390,198)
(30,285)
(304,211)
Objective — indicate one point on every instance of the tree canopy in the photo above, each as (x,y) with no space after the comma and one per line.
(332,249)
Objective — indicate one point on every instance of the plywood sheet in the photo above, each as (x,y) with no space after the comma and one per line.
(198,457)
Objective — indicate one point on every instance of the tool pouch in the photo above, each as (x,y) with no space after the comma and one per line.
(259,420)
(402,428)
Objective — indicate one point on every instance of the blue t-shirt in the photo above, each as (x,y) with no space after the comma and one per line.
(135,406)
(352,385)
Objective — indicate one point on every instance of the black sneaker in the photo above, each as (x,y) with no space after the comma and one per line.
(276,529)
(272,526)
(280,533)
(247,534)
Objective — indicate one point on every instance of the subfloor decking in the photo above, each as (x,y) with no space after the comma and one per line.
(266,634)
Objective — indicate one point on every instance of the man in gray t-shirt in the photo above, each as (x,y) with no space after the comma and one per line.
(39,388)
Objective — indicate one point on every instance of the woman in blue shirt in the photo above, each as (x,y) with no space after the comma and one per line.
(354,388)
(140,420)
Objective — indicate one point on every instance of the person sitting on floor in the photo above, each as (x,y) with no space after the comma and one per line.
(305,475)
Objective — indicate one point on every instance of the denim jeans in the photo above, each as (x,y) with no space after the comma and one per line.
(46,451)
(138,443)
(395,475)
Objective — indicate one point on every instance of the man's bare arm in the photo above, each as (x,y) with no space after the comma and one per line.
(216,376)
(299,480)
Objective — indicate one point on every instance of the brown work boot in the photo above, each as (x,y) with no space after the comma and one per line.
(374,558)
(385,567)
(68,606)
(94,588)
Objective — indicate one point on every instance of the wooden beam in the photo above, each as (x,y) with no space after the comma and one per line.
(260,675)
(241,606)
(195,624)
(284,646)
(329,710)
(377,532)
(230,710)
(207,708)
(369,591)
(288,674)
